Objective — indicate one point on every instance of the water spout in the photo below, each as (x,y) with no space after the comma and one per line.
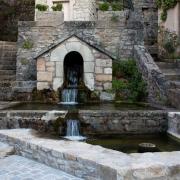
(72,132)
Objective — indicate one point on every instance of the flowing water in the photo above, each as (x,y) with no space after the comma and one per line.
(69,94)
(73,132)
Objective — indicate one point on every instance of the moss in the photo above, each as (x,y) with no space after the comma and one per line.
(24,61)
(45,96)
(59,126)
(27,44)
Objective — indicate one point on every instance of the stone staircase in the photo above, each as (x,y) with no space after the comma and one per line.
(171,70)
(7,69)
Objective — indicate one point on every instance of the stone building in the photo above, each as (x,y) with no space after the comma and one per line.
(80,30)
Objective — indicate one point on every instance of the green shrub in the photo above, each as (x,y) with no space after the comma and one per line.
(57,7)
(104,6)
(127,78)
(165,5)
(117,6)
(169,47)
(42,7)
(164,15)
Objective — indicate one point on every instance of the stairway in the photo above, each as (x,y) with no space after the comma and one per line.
(7,69)
(171,70)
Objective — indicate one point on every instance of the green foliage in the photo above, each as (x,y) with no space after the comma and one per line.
(42,7)
(116,6)
(165,5)
(57,7)
(127,78)
(104,6)
(164,15)
(27,44)
(169,47)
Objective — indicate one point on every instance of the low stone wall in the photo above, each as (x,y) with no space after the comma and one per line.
(174,124)
(39,120)
(92,122)
(117,122)
(156,83)
(93,162)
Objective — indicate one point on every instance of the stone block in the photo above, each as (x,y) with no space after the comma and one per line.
(104,62)
(89,80)
(59,69)
(89,67)
(107,86)
(44,76)
(41,64)
(107,70)
(99,70)
(42,85)
(59,53)
(102,77)
(57,83)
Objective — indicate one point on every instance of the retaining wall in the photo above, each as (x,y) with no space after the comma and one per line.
(92,122)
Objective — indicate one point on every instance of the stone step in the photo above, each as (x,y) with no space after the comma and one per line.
(7,78)
(12,62)
(7,67)
(7,72)
(166,65)
(175,84)
(5,150)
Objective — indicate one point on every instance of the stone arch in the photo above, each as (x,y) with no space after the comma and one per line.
(59,53)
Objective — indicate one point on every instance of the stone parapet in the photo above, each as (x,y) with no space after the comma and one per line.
(92,162)
(157,85)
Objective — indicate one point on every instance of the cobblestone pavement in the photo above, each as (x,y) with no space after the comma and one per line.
(19,168)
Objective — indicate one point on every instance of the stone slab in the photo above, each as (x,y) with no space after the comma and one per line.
(20,168)
(93,162)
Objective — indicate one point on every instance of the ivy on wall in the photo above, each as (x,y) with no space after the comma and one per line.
(165,5)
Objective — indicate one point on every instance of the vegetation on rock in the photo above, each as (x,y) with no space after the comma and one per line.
(127,81)
(165,5)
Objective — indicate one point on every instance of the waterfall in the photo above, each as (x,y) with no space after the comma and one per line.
(70,93)
(72,132)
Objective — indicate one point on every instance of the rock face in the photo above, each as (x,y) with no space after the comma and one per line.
(156,82)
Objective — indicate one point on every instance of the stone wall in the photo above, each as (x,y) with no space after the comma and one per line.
(11,12)
(157,85)
(117,37)
(123,122)
(97,66)
(92,122)
(149,12)
(81,10)
(93,162)
(174,124)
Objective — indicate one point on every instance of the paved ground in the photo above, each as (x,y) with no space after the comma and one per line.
(19,168)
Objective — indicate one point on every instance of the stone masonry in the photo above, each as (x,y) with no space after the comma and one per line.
(97,66)
(115,38)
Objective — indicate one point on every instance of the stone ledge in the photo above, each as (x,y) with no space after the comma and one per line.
(93,162)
